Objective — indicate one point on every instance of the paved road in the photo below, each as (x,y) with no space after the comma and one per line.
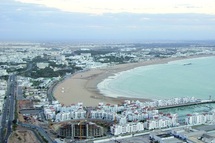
(50,92)
(8,109)
(51,88)
(39,138)
(36,135)
(8,114)
(38,129)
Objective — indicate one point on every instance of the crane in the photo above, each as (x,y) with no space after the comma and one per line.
(80,129)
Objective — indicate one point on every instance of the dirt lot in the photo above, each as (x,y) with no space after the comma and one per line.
(22,135)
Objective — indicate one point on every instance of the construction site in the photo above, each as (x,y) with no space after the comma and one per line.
(80,130)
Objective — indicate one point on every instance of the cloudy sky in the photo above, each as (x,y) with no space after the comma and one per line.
(107,20)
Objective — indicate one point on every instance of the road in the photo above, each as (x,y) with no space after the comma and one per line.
(50,92)
(51,88)
(8,109)
(185,104)
(38,129)
(8,114)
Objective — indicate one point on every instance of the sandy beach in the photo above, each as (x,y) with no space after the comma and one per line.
(82,86)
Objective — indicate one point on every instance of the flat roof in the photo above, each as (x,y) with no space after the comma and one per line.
(164,135)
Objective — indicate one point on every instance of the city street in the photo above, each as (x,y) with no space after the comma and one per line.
(8,109)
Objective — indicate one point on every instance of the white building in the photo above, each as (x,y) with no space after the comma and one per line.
(127,128)
(162,122)
(197,118)
(42,65)
(101,114)
(3,72)
(62,113)
(49,113)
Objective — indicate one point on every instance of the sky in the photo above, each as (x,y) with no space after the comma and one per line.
(64,20)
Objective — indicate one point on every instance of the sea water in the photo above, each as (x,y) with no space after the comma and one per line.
(183,78)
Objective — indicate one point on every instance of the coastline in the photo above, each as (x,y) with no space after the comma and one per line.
(82,86)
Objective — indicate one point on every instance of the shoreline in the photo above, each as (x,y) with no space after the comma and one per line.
(82,86)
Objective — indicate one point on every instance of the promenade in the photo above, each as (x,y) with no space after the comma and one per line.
(187,104)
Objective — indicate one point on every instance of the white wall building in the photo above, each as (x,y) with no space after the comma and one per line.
(127,128)
(197,118)
(42,65)
(162,122)
(101,114)
(3,72)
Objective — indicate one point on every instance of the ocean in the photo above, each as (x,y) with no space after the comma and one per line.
(183,78)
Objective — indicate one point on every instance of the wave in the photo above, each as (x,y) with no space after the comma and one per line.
(163,80)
